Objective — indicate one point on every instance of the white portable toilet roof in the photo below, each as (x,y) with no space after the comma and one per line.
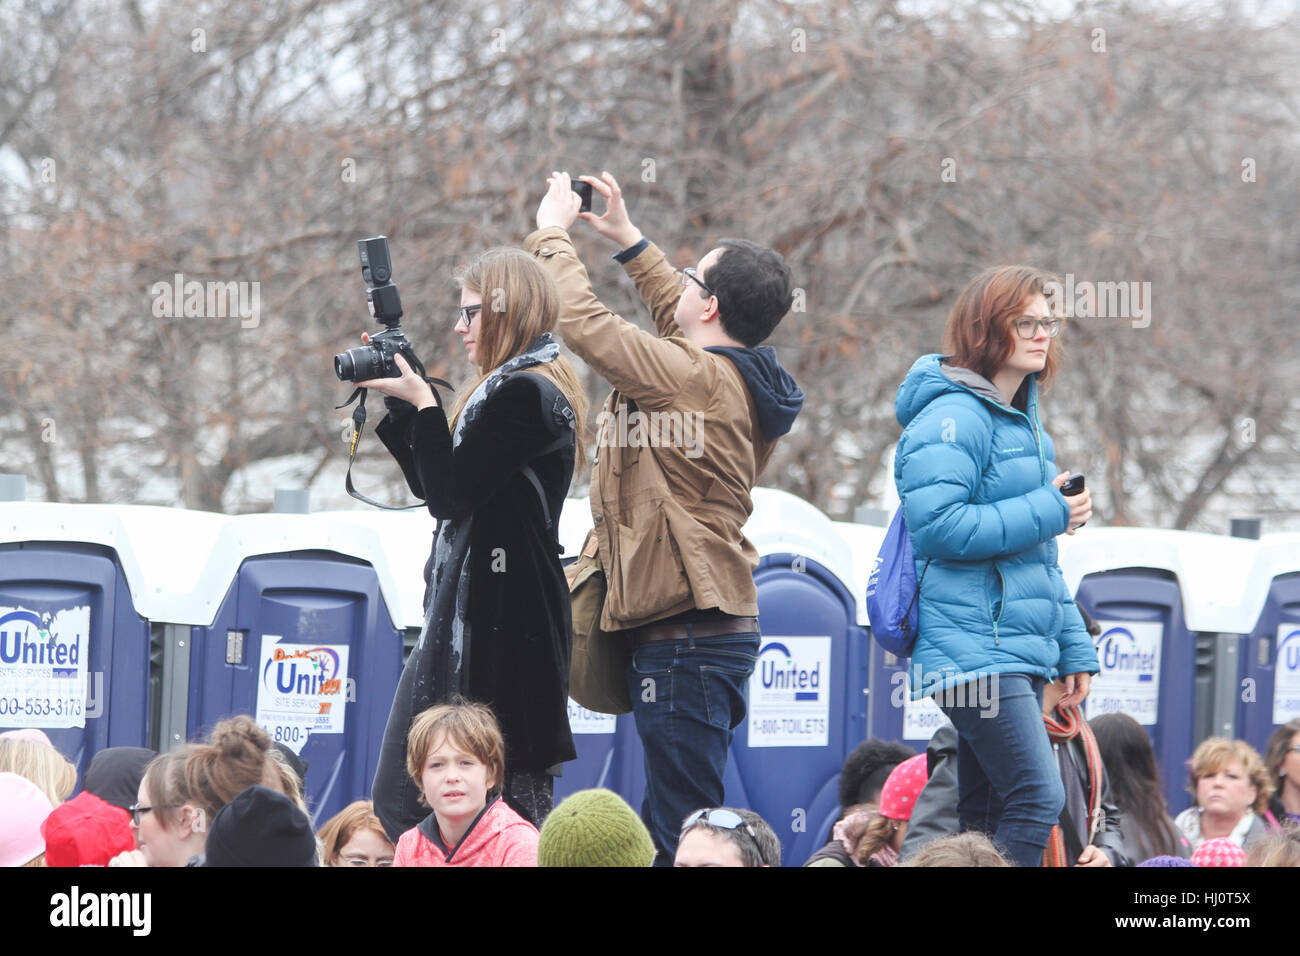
(179,564)
(781,523)
(1218,576)
(164,552)
(864,542)
(575,522)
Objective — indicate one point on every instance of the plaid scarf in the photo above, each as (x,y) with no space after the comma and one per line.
(1064,725)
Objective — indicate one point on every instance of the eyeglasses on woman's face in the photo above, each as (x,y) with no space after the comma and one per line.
(1027,326)
(465,314)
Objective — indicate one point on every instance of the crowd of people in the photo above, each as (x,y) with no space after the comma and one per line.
(479,727)
(236,800)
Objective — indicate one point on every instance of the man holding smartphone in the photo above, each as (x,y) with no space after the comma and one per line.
(693,420)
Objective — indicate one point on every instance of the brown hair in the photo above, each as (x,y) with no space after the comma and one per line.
(1278,747)
(164,782)
(339,829)
(1215,753)
(238,755)
(468,725)
(1276,849)
(875,837)
(520,302)
(979,335)
(959,849)
(41,764)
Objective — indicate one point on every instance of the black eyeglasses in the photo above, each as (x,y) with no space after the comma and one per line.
(136,811)
(466,314)
(724,820)
(1027,326)
(690,273)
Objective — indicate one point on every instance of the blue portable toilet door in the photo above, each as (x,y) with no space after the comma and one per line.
(74,654)
(1148,664)
(321,661)
(1270,666)
(806,707)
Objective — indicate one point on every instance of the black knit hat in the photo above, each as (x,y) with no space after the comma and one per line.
(260,827)
(114,774)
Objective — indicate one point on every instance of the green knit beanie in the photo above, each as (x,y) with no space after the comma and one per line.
(594,828)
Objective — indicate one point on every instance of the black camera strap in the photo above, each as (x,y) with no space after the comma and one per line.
(359,422)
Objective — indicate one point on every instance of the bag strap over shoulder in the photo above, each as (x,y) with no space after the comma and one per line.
(553,400)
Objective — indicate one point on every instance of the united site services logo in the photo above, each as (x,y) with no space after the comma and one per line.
(779,671)
(1120,652)
(307,672)
(25,640)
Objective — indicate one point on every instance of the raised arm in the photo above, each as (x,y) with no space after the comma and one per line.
(657,282)
(653,371)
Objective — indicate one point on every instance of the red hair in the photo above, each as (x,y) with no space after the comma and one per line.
(979,335)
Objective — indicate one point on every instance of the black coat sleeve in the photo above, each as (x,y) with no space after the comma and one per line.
(1109,837)
(510,431)
(394,430)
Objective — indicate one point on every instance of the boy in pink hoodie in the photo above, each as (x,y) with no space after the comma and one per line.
(456,756)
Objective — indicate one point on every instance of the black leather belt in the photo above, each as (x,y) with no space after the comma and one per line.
(679,632)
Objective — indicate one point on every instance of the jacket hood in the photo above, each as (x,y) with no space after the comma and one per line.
(929,377)
(776,394)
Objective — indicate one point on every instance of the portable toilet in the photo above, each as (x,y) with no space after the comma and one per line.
(80,589)
(1270,662)
(302,625)
(807,707)
(1169,604)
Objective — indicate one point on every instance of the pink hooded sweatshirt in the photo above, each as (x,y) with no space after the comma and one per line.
(497,837)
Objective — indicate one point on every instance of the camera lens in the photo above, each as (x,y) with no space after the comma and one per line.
(344,367)
(380,273)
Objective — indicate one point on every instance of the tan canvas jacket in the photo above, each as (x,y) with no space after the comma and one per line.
(674,468)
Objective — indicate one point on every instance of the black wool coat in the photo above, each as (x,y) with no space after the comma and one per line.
(518,659)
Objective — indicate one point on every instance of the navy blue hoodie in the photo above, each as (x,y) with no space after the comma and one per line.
(776,395)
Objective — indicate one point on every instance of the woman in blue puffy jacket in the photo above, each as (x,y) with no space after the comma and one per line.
(974,470)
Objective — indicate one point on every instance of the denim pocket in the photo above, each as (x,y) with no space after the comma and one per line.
(724,672)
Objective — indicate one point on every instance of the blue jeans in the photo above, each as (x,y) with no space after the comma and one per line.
(1008,782)
(688,696)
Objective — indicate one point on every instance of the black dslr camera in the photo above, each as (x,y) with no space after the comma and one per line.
(376,359)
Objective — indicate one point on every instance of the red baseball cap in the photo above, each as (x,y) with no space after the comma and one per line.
(86,831)
(898,795)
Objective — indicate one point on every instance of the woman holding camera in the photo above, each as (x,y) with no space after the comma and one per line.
(996,622)
(494,471)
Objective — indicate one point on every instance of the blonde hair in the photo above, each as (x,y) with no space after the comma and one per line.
(959,849)
(520,302)
(44,766)
(1276,849)
(469,726)
(1215,753)
(879,832)
(37,861)
(340,828)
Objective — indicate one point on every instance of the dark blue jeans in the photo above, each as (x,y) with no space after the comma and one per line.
(1008,782)
(688,696)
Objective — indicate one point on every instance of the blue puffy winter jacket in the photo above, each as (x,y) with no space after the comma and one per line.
(974,475)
